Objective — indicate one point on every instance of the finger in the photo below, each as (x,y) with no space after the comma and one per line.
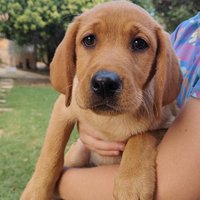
(104,148)
(90,137)
(107,153)
(97,148)
(98,144)
(103,152)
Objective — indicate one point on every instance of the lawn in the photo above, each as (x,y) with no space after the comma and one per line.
(24,130)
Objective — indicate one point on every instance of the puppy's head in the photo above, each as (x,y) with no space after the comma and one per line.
(122,59)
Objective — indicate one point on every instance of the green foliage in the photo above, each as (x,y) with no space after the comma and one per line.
(40,22)
(146,4)
(173,12)
(24,131)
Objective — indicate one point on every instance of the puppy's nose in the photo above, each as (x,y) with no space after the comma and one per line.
(106,84)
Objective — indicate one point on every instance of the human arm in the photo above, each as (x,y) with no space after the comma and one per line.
(87,183)
(178,164)
(178,160)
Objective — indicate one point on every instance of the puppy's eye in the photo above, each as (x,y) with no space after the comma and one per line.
(89,41)
(139,45)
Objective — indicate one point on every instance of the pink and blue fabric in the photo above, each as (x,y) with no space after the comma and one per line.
(186,42)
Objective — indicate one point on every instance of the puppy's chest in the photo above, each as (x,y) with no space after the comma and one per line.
(118,128)
(115,128)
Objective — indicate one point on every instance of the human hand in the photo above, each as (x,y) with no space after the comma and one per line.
(91,139)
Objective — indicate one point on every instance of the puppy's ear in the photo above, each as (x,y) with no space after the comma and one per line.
(62,68)
(168,77)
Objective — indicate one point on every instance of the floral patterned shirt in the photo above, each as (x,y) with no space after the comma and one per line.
(186,42)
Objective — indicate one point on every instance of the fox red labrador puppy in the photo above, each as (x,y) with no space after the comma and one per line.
(116,70)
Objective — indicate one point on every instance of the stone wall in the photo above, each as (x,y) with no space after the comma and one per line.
(12,55)
(23,57)
(4,57)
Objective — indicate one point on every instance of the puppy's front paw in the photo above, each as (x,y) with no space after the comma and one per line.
(36,191)
(133,187)
(31,193)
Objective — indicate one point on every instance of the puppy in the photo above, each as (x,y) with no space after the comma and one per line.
(117,71)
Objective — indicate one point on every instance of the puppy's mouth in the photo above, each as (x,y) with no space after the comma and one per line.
(106,109)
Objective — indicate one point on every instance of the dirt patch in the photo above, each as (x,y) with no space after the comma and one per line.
(33,81)
(5,109)
(1,133)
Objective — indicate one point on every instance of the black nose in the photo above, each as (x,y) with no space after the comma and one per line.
(106,83)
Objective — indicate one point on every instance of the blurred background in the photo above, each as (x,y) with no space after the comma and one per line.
(30,31)
(33,28)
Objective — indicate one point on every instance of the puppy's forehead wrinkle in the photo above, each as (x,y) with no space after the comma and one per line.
(125,12)
(128,29)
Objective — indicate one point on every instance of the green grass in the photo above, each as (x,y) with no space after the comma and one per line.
(24,130)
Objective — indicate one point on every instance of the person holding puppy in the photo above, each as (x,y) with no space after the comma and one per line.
(178,160)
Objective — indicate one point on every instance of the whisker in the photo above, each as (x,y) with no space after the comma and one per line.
(146,108)
(146,101)
(66,87)
(70,15)
(152,100)
(79,22)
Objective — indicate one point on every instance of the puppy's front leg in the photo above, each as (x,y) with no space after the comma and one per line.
(50,162)
(135,179)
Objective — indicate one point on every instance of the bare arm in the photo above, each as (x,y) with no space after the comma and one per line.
(88,183)
(179,156)
(178,165)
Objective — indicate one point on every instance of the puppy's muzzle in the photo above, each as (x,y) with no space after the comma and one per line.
(106,84)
